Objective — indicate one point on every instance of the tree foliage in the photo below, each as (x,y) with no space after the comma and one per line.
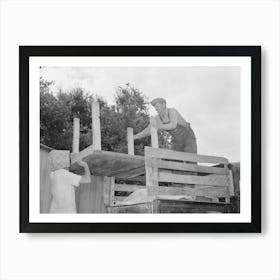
(57,113)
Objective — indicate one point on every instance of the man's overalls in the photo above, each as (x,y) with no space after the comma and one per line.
(183,139)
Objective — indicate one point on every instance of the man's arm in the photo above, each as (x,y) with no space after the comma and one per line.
(86,178)
(173,120)
(144,133)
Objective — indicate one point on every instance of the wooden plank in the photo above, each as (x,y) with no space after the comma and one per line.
(214,180)
(231,184)
(45,183)
(130,141)
(91,196)
(107,191)
(96,132)
(187,167)
(86,197)
(154,133)
(76,135)
(128,188)
(155,206)
(104,163)
(151,172)
(98,203)
(129,174)
(135,208)
(75,149)
(175,155)
(112,191)
(119,199)
(140,179)
(187,191)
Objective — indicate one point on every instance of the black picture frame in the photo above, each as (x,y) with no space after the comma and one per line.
(254,52)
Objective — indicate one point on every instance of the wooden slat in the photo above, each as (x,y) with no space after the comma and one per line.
(96,132)
(133,179)
(151,171)
(130,141)
(129,174)
(214,180)
(231,184)
(154,133)
(128,188)
(175,155)
(187,191)
(135,208)
(107,190)
(119,199)
(45,183)
(112,191)
(87,196)
(76,135)
(187,167)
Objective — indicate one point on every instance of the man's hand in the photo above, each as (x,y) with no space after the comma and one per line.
(86,178)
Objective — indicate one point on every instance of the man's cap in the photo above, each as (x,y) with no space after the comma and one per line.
(158,100)
(59,159)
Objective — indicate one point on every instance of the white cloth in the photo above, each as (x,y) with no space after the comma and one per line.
(63,192)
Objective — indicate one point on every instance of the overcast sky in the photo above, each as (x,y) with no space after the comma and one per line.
(208,97)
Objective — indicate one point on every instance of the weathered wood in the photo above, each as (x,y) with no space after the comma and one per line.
(175,155)
(155,208)
(76,135)
(128,209)
(112,191)
(140,179)
(188,191)
(104,163)
(187,167)
(92,196)
(154,133)
(130,174)
(107,191)
(151,172)
(231,184)
(45,184)
(119,199)
(214,180)
(128,188)
(75,149)
(130,141)
(167,206)
(98,202)
(96,132)
(86,197)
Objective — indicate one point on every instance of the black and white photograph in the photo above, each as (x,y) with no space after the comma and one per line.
(121,126)
(142,139)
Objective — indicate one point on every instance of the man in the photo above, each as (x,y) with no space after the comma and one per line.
(63,182)
(170,120)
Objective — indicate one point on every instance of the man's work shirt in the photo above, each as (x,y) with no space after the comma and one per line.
(183,137)
(63,192)
(172,116)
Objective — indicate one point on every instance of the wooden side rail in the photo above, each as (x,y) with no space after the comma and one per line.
(172,173)
(112,191)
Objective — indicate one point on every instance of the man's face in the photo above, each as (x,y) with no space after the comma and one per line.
(160,107)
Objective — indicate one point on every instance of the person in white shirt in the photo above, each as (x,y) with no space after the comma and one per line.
(63,182)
